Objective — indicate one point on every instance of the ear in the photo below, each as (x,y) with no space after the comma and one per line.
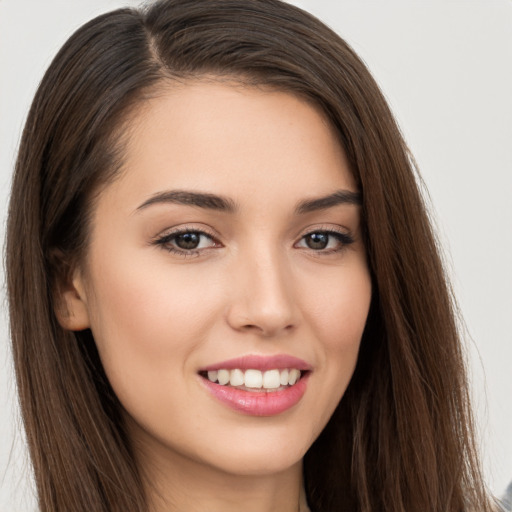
(70,297)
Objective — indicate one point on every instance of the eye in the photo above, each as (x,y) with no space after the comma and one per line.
(191,240)
(186,241)
(326,241)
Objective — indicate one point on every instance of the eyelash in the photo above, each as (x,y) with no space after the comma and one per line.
(344,240)
(165,241)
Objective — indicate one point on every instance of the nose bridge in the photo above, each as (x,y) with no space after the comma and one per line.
(264,299)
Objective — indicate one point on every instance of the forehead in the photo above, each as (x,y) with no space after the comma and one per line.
(229,138)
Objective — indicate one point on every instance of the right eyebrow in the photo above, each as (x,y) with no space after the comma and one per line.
(186,197)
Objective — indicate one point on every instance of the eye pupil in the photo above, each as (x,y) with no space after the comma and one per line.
(317,240)
(187,241)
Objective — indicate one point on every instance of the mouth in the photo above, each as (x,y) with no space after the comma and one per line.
(258,385)
(254,380)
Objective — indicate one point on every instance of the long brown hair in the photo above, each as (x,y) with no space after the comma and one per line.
(401,439)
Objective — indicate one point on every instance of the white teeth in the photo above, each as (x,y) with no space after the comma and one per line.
(293,376)
(255,379)
(223,377)
(236,378)
(271,379)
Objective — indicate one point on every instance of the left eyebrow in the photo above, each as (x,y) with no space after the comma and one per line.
(335,199)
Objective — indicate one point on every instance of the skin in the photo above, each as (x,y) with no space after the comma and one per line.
(254,287)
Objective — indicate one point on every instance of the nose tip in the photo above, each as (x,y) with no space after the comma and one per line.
(263,301)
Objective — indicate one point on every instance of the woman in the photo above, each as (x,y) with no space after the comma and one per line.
(235,295)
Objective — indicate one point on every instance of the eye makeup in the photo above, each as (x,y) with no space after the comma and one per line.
(187,241)
(325,241)
(190,241)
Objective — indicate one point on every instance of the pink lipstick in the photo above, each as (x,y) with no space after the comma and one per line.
(259,362)
(258,385)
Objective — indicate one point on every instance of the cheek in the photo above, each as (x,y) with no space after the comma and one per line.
(147,304)
(337,313)
(338,309)
(147,321)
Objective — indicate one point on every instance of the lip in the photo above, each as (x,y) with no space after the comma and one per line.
(258,403)
(260,362)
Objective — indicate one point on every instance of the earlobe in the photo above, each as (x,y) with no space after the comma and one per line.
(71,303)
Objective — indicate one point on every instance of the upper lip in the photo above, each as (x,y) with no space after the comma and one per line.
(260,362)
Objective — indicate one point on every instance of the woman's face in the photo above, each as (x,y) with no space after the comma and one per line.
(230,244)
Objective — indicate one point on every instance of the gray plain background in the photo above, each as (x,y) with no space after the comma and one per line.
(446,69)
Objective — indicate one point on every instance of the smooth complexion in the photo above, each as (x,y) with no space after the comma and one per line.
(215,243)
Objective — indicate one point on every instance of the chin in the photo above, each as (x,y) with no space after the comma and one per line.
(260,464)
(262,454)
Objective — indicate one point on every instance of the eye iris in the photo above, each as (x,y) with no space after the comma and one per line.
(317,240)
(187,240)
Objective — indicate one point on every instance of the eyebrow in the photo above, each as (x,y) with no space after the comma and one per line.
(224,204)
(199,199)
(335,199)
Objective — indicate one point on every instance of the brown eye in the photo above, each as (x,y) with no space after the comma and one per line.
(325,241)
(187,241)
(317,241)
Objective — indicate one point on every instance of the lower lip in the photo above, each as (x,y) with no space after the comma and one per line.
(258,403)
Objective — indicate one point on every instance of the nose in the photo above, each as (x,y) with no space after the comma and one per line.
(262,296)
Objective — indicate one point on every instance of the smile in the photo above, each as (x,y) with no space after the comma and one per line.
(253,380)
(258,385)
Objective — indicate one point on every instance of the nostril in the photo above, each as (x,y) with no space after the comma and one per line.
(267,330)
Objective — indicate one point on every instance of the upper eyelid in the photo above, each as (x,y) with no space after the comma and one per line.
(170,232)
(306,232)
(344,235)
(331,232)
(326,229)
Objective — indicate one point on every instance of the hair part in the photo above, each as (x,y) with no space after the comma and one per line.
(402,438)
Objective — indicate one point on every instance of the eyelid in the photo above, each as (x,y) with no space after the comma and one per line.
(326,228)
(164,238)
(187,228)
(343,235)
